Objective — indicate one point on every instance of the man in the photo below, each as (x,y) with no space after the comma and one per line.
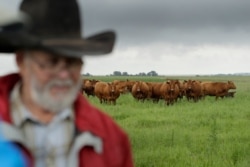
(42,111)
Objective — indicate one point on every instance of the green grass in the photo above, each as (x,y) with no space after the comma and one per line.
(208,133)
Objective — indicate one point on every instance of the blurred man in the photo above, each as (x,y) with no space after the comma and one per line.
(42,110)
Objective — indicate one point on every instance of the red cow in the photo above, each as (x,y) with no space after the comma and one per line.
(174,91)
(156,94)
(217,89)
(164,91)
(106,92)
(121,86)
(194,90)
(140,90)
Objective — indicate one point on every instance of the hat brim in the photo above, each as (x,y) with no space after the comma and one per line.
(98,44)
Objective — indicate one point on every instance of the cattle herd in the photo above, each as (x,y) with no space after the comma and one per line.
(169,91)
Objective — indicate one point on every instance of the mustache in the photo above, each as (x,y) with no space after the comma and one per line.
(57,82)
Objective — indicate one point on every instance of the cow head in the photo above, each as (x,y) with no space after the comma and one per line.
(231,85)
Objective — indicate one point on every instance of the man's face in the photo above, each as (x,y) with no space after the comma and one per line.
(51,81)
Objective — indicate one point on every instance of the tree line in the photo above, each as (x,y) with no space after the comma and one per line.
(119,73)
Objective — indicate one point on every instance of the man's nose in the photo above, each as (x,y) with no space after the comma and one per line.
(63,70)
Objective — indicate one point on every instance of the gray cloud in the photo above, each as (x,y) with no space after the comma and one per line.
(181,21)
(178,13)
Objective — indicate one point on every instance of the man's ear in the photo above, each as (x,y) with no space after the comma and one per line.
(21,62)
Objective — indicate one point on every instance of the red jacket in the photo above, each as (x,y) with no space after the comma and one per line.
(100,141)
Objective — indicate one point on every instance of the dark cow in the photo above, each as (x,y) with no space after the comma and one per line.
(230,94)
(88,86)
(217,89)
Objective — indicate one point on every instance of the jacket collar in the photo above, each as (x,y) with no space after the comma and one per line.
(6,85)
(88,117)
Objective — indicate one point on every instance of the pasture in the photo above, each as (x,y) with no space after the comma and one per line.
(207,133)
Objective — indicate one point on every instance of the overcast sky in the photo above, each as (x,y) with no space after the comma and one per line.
(168,36)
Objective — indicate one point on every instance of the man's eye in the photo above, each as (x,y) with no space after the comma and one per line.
(72,61)
(53,61)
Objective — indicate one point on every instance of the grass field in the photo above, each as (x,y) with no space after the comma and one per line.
(208,133)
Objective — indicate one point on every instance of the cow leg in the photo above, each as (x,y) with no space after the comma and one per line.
(216,97)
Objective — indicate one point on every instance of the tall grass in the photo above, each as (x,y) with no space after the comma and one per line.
(208,133)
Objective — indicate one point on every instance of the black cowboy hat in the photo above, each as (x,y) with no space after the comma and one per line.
(55,27)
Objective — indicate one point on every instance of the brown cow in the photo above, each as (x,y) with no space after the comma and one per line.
(164,91)
(193,90)
(88,86)
(106,92)
(217,89)
(184,88)
(124,86)
(99,91)
(121,86)
(140,91)
(150,89)
(130,85)
(176,89)
(114,94)
(156,92)
(170,91)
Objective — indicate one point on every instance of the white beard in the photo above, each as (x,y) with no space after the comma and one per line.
(56,103)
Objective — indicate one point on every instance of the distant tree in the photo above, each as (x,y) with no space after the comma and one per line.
(142,74)
(152,73)
(125,74)
(87,74)
(117,73)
